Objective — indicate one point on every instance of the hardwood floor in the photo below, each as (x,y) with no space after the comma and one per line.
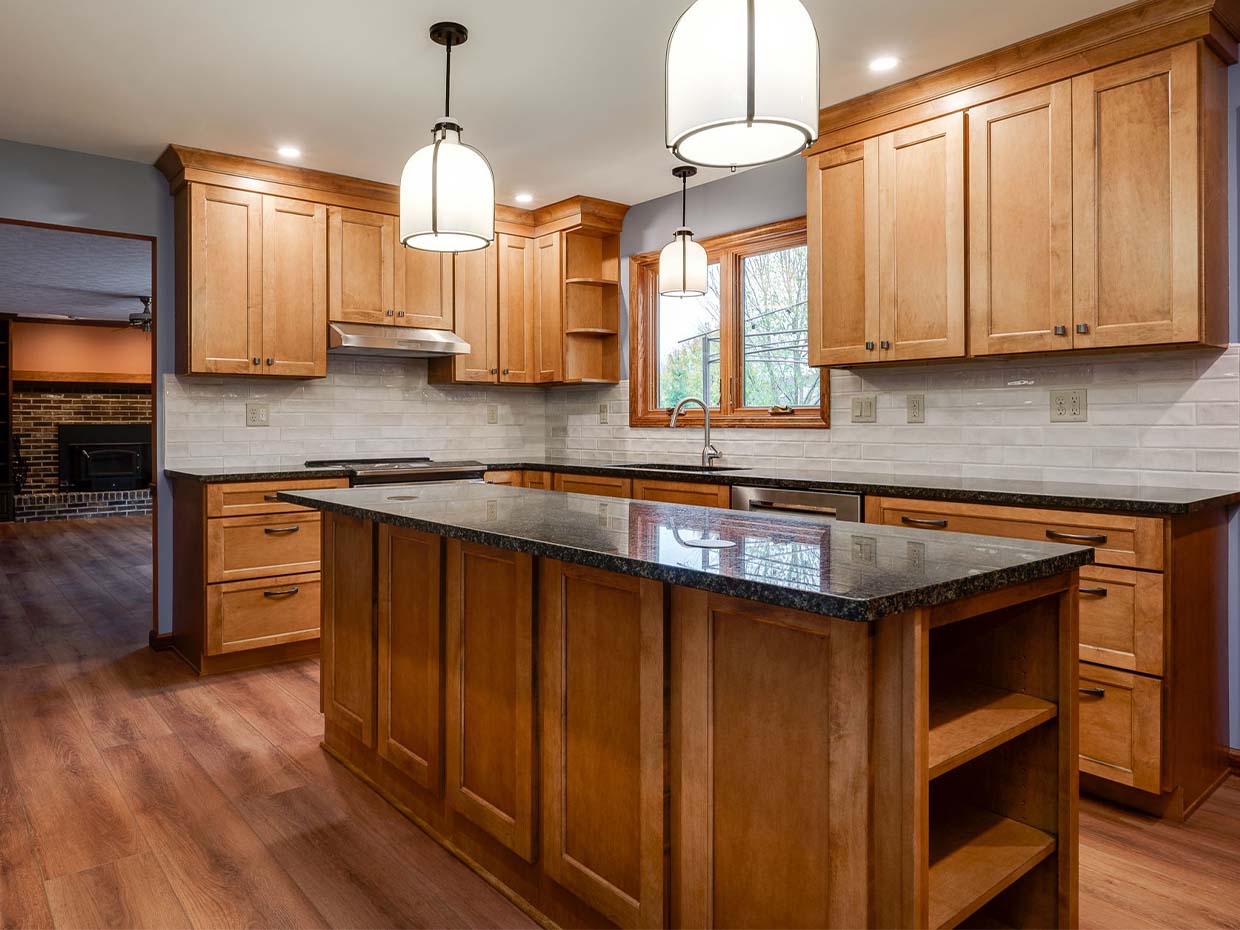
(133,794)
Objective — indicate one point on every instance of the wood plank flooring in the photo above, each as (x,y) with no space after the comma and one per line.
(133,794)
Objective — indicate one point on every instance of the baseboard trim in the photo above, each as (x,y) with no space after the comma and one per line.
(1233,756)
(159,641)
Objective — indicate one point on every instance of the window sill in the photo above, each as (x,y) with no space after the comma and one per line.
(807,420)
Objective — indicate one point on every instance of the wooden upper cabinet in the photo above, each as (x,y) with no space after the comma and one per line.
(516,302)
(842,230)
(1137,217)
(294,287)
(476,314)
(361,266)
(224,302)
(921,240)
(423,288)
(549,307)
(1020,222)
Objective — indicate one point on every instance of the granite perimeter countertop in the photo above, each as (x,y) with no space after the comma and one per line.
(1149,501)
(853,571)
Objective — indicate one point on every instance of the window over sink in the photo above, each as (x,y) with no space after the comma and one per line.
(743,346)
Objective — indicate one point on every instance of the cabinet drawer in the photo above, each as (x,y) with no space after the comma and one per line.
(682,492)
(262,546)
(1121,727)
(506,478)
(600,485)
(1128,542)
(538,480)
(251,497)
(251,614)
(1122,618)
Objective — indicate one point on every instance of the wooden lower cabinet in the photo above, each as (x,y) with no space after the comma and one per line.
(598,485)
(537,480)
(683,492)
(1121,726)
(246,590)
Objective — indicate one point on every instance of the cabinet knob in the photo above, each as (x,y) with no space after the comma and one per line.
(400,312)
(869,346)
(387,312)
(495,371)
(885,344)
(1061,330)
(505,371)
(257,360)
(271,361)
(1082,328)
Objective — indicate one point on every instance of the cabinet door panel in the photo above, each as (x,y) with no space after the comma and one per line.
(489,655)
(549,307)
(347,664)
(516,309)
(361,266)
(598,485)
(1121,728)
(1020,222)
(226,280)
(423,288)
(842,230)
(921,233)
(601,637)
(476,295)
(244,615)
(294,288)
(682,492)
(1122,618)
(410,680)
(1135,201)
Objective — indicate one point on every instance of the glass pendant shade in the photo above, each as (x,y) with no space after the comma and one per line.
(682,267)
(741,82)
(447,196)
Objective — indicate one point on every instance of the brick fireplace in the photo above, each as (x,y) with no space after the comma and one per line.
(37,415)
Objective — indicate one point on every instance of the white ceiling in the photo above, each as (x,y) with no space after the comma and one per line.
(563,96)
(58,273)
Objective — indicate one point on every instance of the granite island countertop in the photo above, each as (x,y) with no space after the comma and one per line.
(1145,500)
(852,571)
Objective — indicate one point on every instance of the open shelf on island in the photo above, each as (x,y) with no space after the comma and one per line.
(590,331)
(974,855)
(969,719)
(592,282)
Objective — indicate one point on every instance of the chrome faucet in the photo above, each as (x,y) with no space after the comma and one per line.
(709,452)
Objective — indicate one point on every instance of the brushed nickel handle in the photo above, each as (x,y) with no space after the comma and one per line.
(1094,592)
(257,360)
(1093,692)
(388,312)
(271,497)
(885,344)
(869,346)
(1076,537)
(400,312)
(270,361)
(494,371)
(286,593)
(919,521)
(505,371)
(1082,328)
(281,529)
(1061,330)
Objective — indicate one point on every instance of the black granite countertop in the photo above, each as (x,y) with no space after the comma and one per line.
(853,571)
(1148,501)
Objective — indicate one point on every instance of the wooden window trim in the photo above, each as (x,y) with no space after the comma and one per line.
(729,250)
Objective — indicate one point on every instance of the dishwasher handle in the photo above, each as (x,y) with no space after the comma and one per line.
(793,508)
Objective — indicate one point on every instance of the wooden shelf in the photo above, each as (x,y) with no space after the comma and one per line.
(592,282)
(589,331)
(971,719)
(588,381)
(974,855)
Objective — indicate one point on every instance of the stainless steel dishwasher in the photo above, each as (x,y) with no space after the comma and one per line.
(822,506)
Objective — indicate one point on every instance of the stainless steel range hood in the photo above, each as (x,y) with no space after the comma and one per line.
(392,341)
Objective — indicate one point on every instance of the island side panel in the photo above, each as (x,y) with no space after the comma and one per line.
(347,672)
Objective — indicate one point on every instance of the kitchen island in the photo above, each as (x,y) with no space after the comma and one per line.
(648,714)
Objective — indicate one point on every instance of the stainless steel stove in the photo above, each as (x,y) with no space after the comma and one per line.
(401,470)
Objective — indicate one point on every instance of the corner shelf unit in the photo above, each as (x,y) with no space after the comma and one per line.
(591,307)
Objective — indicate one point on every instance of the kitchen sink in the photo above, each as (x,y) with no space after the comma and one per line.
(664,466)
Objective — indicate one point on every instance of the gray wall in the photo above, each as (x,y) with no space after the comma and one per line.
(73,189)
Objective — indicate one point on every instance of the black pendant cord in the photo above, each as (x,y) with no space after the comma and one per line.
(447,83)
(684,202)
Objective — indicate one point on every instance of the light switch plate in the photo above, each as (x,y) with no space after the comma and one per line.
(602,413)
(916,408)
(865,408)
(492,414)
(257,415)
(1070,405)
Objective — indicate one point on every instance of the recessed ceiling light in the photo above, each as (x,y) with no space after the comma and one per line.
(884,63)
(289,151)
(523,198)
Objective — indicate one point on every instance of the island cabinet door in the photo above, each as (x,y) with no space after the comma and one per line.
(489,654)
(770,766)
(601,691)
(410,679)
(347,664)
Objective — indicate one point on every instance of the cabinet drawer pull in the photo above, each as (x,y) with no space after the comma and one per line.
(869,346)
(885,344)
(257,361)
(271,497)
(921,521)
(1076,537)
(270,361)
(285,593)
(281,529)
(1094,592)
(1093,692)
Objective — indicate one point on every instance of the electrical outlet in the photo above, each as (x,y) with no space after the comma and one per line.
(864,550)
(865,408)
(602,413)
(492,414)
(492,510)
(916,408)
(1069,406)
(257,415)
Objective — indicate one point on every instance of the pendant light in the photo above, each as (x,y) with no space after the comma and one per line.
(447,190)
(682,263)
(741,82)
